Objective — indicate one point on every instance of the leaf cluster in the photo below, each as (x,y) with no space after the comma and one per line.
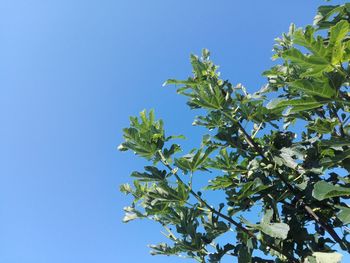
(286,159)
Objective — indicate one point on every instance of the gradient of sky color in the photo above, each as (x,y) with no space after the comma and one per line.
(71,72)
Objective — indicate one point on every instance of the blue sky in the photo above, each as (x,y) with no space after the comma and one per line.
(71,72)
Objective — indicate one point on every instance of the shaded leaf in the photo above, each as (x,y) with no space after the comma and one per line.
(344,214)
(323,190)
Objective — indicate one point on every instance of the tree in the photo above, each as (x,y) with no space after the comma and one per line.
(299,181)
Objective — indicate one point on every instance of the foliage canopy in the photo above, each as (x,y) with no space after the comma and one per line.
(299,180)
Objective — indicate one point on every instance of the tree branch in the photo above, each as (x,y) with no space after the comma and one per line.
(290,257)
(296,192)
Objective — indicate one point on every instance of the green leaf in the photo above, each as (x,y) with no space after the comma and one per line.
(287,156)
(251,188)
(323,257)
(244,255)
(310,259)
(216,257)
(153,175)
(164,249)
(220,182)
(325,12)
(315,45)
(323,190)
(193,162)
(131,214)
(323,126)
(314,88)
(125,188)
(335,143)
(313,66)
(175,137)
(129,217)
(344,214)
(335,45)
(347,129)
(296,105)
(322,58)
(188,82)
(267,216)
(145,136)
(277,230)
(330,161)
(184,163)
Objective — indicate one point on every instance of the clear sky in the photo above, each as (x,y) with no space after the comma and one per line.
(71,72)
